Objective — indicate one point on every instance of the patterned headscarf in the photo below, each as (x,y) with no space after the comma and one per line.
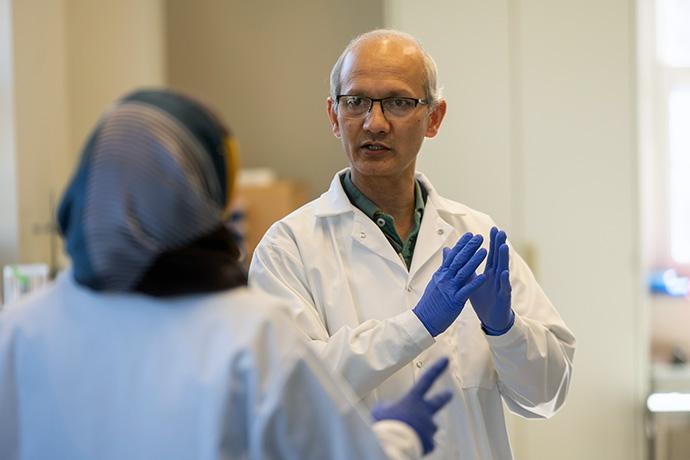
(152,179)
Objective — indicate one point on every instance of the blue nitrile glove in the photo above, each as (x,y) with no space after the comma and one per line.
(491,301)
(451,285)
(416,411)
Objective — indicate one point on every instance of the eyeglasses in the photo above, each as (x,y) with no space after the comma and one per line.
(397,107)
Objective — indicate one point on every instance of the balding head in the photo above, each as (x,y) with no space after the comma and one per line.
(383,42)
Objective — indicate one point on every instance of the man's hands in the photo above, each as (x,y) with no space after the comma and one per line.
(456,281)
(416,411)
(492,300)
(452,284)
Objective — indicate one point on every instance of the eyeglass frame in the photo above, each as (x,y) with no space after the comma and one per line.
(417,102)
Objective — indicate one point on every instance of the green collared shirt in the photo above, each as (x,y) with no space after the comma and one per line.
(385,222)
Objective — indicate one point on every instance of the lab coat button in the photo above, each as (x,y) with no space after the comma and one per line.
(419,364)
(439,231)
(362,235)
(409,288)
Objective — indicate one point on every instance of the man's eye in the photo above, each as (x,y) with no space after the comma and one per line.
(354,101)
(401,103)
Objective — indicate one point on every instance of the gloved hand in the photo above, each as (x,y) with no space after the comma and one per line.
(414,410)
(451,285)
(491,301)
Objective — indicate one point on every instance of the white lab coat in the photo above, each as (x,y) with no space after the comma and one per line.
(352,296)
(125,376)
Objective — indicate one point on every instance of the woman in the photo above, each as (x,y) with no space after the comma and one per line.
(151,346)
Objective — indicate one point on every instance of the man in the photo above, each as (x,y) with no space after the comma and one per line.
(150,346)
(359,265)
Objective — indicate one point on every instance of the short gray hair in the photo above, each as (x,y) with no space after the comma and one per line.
(431,88)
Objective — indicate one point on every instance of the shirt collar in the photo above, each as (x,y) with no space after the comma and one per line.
(367,206)
(335,201)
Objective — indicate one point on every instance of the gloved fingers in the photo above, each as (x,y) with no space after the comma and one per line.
(465,273)
(465,254)
(445,256)
(426,432)
(492,249)
(428,378)
(503,258)
(449,255)
(468,289)
(500,241)
(436,402)
(431,428)
(505,287)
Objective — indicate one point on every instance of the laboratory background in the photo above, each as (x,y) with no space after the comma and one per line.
(568,122)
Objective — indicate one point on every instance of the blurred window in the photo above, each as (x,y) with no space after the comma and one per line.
(679,171)
(673,32)
(672,64)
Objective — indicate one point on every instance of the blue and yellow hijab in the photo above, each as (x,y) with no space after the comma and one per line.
(145,210)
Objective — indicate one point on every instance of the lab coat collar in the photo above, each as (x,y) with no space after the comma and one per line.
(334,201)
(435,231)
(442,205)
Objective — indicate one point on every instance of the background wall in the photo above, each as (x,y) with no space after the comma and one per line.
(112,47)
(264,66)
(541,102)
(41,127)
(581,200)
(61,63)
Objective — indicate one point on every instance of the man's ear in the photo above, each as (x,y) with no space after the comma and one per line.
(333,116)
(435,118)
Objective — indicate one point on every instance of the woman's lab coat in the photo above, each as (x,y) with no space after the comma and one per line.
(125,376)
(352,295)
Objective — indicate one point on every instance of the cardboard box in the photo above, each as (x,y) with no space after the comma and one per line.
(265,204)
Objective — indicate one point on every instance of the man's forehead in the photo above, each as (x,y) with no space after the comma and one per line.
(384,48)
(384,58)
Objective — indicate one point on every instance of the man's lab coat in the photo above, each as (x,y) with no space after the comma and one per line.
(87,375)
(352,295)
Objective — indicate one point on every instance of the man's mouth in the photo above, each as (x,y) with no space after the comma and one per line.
(374,147)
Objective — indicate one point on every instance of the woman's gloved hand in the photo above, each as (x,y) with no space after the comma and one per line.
(451,285)
(492,300)
(416,411)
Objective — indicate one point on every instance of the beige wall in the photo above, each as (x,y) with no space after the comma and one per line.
(541,133)
(264,66)
(40,108)
(577,79)
(64,62)
(112,47)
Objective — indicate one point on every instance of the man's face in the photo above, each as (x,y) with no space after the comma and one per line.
(377,144)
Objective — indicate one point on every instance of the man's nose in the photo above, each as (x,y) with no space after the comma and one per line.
(375,120)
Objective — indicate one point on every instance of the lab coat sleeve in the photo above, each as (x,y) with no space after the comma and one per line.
(304,412)
(534,359)
(398,439)
(366,354)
